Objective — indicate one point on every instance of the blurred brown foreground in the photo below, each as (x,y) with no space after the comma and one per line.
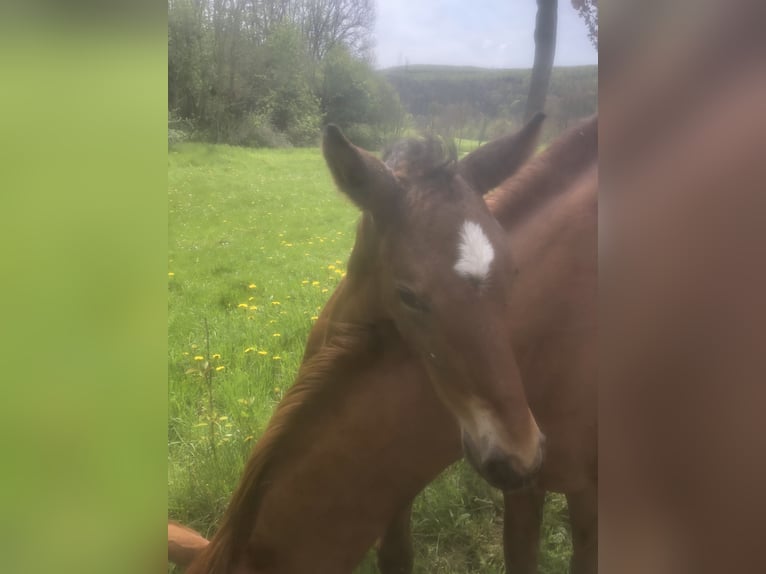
(683,287)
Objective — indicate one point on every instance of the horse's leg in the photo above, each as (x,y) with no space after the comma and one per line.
(521,530)
(583,516)
(395,554)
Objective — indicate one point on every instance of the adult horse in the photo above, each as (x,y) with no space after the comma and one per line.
(363,430)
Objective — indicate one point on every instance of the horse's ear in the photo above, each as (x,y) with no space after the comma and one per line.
(357,173)
(491,164)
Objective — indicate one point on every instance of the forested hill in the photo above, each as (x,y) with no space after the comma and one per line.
(459,99)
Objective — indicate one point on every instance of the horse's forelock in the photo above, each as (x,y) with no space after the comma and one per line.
(416,158)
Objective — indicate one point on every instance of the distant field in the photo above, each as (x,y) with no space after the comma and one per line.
(258,239)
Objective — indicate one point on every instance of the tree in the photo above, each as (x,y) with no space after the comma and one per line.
(545,50)
(328,23)
(290,104)
(588,10)
(358,99)
(249,71)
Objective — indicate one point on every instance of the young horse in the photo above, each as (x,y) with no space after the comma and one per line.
(436,266)
(361,381)
(550,212)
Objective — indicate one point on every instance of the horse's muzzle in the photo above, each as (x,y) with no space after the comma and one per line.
(500,469)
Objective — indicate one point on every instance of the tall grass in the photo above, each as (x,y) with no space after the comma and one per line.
(258,239)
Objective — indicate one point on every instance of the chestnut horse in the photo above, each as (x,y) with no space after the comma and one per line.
(388,345)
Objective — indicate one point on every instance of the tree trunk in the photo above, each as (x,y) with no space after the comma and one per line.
(545,50)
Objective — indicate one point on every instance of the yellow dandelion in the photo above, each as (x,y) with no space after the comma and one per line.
(242,305)
(216,356)
(194,346)
(288,244)
(199,358)
(171,274)
(253,307)
(223,418)
(250,298)
(339,272)
(324,290)
(264,353)
(315,283)
(304,282)
(338,261)
(252,286)
(276,389)
(314,318)
(276,303)
(277,358)
(276,335)
(220,368)
(249,350)
(331,267)
(343,274)
(185,354)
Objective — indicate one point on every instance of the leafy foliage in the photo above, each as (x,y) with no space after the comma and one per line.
(254,73)
(588,10)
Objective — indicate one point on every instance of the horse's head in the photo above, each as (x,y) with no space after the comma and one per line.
(438,264)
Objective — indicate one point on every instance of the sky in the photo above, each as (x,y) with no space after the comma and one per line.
(457,32)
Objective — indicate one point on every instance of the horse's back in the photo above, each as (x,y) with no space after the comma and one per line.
(184,544)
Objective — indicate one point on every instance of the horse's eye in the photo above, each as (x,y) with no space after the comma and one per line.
(410,300)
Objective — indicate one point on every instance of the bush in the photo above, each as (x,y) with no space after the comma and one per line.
(365,136)
(257,131)
(305,130)
(179,129)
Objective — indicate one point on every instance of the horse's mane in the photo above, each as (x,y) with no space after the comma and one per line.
(544,176)
(348,345)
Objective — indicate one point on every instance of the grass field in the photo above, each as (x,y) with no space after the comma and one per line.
(258,239)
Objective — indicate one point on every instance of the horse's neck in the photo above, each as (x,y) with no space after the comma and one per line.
(356,300)
(377,440)
(555,258)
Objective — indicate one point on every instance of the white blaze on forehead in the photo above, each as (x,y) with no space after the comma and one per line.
(475,252)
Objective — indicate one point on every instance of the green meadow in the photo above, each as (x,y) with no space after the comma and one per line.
(258,240)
